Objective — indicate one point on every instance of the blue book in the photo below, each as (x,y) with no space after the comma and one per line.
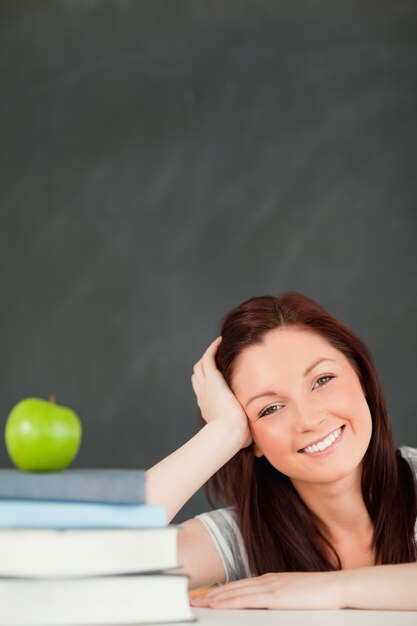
(118,486)
(51,514)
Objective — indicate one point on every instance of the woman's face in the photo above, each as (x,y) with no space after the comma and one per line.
(305,404)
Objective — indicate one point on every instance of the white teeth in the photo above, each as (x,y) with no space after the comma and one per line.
(322,445)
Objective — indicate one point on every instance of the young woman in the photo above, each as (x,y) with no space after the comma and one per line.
(297,441)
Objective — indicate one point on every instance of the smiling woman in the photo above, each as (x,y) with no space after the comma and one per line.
(296,438)
(310,416)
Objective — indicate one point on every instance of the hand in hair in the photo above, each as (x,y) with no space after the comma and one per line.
(214,397)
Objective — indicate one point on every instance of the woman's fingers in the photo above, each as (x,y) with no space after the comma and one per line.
(256,600)
(220,592)
(247,597)
(207,359)
(212,349)
(195,385)
(198,370)
(245,585)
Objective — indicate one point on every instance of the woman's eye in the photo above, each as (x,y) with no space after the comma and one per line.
(269,408)
(323,380)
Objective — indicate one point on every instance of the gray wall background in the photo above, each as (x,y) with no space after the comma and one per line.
(163,161)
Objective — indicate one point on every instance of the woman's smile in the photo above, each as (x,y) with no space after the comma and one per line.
(326,445)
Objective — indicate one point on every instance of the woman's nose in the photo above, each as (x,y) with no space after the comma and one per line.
(307,416)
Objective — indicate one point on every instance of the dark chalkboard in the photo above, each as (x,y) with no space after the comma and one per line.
(162,161)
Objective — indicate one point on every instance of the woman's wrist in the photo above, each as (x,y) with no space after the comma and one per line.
(340,588)
(236,432)
(228,433)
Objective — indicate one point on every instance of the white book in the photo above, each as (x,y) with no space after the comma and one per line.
(65,553)
(105,600)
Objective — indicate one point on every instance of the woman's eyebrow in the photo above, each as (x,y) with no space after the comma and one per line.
(313,365)
(265,394)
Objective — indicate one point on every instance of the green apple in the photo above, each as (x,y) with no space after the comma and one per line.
(42,436)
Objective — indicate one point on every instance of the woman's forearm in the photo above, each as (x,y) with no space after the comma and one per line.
(381,587)
(173,481)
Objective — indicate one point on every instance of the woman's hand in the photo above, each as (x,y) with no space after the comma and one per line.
(214,397)
(288,590)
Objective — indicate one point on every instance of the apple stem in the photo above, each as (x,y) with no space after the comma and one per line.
(52,398)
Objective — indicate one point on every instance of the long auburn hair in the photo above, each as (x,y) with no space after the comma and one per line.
(279,531)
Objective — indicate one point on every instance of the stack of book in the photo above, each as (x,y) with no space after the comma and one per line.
(82,548)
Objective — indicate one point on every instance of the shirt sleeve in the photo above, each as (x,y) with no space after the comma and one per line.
(225,533)
(410,455)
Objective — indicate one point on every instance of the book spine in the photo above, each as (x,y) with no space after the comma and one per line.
(61,515)
(118,486)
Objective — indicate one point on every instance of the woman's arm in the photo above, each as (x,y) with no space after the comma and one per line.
(381,587)
(173,481)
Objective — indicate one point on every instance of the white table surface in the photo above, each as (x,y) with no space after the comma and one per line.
(255,617)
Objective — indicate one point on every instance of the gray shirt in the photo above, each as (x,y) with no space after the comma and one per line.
(224,530)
